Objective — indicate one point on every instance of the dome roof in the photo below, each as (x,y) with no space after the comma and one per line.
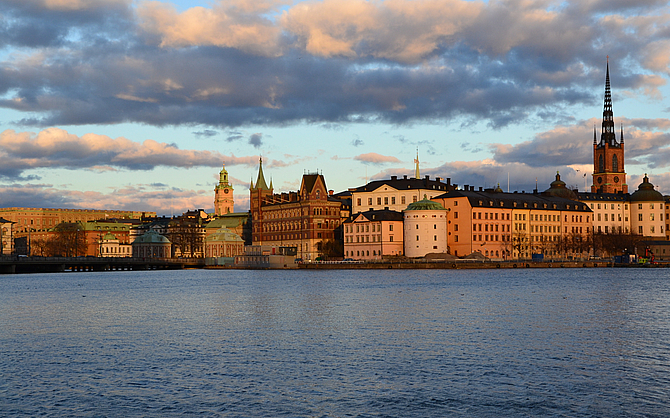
(224,235)
(151,237)
(425,204)
(646,193)
(558,189)
(108,236)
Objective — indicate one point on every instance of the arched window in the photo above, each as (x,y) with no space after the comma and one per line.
(615,164)
(601,164)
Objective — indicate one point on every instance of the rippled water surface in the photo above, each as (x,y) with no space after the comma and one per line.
(437,343)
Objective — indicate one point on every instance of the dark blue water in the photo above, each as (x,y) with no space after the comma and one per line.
(490,343)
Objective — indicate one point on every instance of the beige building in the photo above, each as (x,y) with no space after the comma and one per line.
(223,243)
(111,246)
(373,235)
(395,194)
(647,211)
(6,237)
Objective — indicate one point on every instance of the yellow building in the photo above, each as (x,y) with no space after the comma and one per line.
(42,219)
(6,237)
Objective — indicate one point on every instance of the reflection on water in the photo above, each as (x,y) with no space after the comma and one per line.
(337,343)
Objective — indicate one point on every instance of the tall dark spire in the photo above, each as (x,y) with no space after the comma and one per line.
(607,136)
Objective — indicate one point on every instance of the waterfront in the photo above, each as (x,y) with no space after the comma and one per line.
(429,343)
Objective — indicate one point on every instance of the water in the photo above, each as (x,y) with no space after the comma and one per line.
(489,343)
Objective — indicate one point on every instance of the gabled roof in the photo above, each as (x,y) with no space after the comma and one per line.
(309,181)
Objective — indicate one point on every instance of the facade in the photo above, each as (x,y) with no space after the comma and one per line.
(609,175)
(611,211)
(223,243)
(152,245)
(373,235)
(647,211)
(301,219)
(223,195)
(110,246)
(43,219)
(504,226)
(6,237)
(425,228)
(395,194)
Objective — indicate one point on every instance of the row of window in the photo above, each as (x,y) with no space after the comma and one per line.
(403,200)
(365,228)
(365,238)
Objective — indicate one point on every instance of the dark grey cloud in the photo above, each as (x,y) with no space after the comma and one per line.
(207,133)
(256,140)
(98,66)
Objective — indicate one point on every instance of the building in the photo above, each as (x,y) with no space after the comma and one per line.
(515,225)
(647,211)
(223,243)
(609,175)
(43,219)
(373,235)
(111,246)
(223,195)
(6,237)
(395,194)
(304,219)
(152,245)
(425,228)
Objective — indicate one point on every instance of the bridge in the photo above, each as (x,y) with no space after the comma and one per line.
(22,264)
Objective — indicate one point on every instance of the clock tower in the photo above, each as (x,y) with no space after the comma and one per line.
(223,194)
(608,165)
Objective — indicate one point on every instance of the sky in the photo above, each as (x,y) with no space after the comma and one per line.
(135,105)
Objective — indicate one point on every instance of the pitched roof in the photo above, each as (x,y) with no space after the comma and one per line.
(404,184)
(377,215)
(522,200)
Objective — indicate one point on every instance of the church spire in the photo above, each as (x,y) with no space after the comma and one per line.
(607,136)
(416,165)
(260,181)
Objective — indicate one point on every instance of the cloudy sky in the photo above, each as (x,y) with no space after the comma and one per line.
(125,104)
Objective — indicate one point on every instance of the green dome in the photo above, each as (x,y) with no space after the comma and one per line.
(151,237)
(108,236)
(425,204)
(646,193)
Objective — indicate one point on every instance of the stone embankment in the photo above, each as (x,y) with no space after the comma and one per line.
(456,264)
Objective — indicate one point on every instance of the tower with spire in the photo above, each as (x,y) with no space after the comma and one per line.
(608,153)
(417,174)
(223,194)
(257,194)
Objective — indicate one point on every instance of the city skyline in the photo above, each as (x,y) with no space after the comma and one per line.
(135,105)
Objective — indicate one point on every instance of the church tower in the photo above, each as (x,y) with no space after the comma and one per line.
(608,164)
(257,194)
(223,194)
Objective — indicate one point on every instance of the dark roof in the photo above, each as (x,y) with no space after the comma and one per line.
(558,189)
(646,193)
(603,196)
(309,180)
(522,200)
(378,215)
(404,184)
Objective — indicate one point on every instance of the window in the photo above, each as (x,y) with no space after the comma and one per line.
(434,226)
(386,200)
(379,201)
(455,215)
(393,200)
(402,200)
(435,237)
(615,164)
(391,238)
(456,227)
(639,217)
(391,227)
(639,205)
(369,201)
(358,201)
(455,202)
(414,199)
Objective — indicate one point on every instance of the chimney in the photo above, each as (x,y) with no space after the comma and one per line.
(330,192)
(472,188)
(394,177)
(480,188)
(466,187)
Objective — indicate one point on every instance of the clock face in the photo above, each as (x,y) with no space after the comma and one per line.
(600,179)
(225,191)
(616,179)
